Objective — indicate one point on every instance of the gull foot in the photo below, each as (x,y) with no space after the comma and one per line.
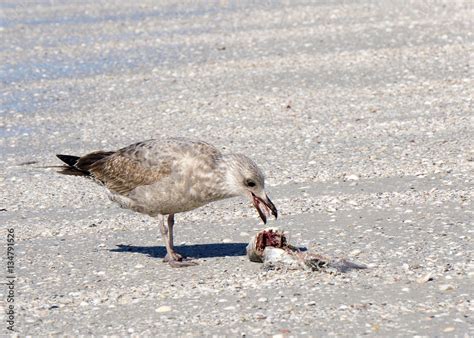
(176,260)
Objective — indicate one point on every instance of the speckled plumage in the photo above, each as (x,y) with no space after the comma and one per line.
(172,175)
(164,176)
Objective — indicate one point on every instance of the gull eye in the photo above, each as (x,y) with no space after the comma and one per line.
(250,183)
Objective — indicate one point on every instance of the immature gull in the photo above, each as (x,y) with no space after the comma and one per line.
(162,177)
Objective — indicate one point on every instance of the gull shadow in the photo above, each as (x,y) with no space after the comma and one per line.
(195,250)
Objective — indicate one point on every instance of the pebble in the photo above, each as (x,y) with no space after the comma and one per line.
(352,202)
(446,287)
(425,278)
(163,309)
(355,253)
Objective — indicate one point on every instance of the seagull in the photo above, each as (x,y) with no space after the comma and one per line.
(163,177)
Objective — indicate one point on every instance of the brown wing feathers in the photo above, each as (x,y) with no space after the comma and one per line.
(122,174)
(119,173)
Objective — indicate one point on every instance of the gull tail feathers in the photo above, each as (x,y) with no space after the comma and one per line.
(68,159)
(79,166)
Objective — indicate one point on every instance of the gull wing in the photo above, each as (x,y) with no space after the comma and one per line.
(148,162)
(123,171)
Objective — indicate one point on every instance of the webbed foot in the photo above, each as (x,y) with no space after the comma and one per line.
(176,260)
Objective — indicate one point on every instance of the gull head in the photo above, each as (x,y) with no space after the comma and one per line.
(243,177)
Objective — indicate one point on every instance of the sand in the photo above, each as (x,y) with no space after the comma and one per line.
(359,113)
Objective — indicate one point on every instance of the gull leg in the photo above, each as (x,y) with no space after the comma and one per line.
(172,257)
(167,233)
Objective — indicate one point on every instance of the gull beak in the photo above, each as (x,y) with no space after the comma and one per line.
(264,206)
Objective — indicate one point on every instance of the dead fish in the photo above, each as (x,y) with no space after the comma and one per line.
(270,247)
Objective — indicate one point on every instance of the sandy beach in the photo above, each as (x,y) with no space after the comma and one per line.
(360,113)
